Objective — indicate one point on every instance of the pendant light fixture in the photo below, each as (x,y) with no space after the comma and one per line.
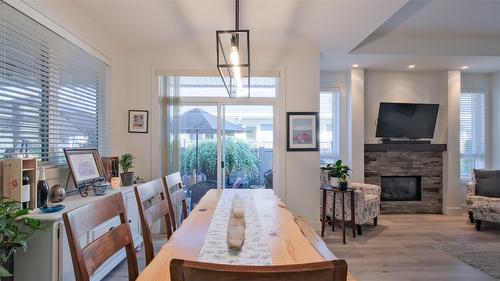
(233,58)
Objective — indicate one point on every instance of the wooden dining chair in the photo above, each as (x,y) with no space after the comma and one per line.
(176,197)
(184,270)
(79,221)
(152,202)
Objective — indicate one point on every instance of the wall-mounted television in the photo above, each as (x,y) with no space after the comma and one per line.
(406,120)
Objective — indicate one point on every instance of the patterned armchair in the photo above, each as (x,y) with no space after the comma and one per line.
(366,203)
(483,204)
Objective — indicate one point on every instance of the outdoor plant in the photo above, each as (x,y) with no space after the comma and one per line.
(127,162)
(239,158)
(337,170)
(15,229)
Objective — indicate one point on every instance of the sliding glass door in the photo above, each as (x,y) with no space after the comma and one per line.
(248,141)
(218,142)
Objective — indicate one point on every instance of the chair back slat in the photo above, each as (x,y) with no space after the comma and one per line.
(152,202)
(89,218)
(183,270)
(98,251)
(177,198)
(77,222)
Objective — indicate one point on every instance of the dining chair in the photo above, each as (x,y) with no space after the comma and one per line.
(176,198)
(152,202)
(184,270)
(199,189)
(78,222)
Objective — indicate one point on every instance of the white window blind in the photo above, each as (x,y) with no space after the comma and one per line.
(329,124)
(473,132)
(52,93)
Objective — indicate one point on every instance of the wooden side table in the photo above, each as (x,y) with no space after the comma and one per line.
(342,192)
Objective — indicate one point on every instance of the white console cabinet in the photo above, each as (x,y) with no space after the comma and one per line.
(48,257)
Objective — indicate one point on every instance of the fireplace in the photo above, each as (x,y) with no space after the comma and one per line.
(410,175)
(401,188)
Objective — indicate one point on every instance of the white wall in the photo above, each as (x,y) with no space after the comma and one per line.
(405,86)
(495,117)
(356,127)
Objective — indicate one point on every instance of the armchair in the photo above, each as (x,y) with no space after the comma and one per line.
(482,197)
(366,203)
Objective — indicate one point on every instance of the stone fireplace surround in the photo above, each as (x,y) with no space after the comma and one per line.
(424,160)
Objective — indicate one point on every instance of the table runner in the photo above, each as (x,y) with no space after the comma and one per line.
(255,250)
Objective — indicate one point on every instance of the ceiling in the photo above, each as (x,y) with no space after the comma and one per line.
(376,34)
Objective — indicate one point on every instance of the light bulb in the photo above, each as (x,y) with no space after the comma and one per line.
(234,56)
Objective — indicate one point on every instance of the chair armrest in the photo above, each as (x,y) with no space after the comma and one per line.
(367,188)
(470,190)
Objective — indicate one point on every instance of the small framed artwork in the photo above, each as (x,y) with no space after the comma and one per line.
(85,165)
(303,131)
(138,121)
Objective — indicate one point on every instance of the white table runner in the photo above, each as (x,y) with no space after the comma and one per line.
(255,250)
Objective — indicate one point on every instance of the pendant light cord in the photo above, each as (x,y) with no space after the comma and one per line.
(237,14)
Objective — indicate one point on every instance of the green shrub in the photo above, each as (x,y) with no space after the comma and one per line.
(239,158)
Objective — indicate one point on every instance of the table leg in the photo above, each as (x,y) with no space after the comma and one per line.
(323,214)
(333,212)
(343,216)
(353,216)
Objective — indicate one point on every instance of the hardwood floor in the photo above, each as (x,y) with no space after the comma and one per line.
(401,247)
(405,248)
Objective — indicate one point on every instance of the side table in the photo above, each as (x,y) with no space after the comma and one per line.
(341,192)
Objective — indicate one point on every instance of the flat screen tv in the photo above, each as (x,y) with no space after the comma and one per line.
(406,120)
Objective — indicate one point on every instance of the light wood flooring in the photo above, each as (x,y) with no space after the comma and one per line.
(405,248)
(401,247)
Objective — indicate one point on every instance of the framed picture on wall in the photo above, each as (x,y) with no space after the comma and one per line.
(138,121)
(302,131)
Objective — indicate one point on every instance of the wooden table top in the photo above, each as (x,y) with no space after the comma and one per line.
(286,242)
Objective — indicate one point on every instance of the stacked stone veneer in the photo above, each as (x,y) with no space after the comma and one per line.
(427,164)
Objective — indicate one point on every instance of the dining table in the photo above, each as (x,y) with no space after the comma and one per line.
(286,242)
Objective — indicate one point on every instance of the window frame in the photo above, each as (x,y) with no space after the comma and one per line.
(335,154)
(51,94)
(484,156)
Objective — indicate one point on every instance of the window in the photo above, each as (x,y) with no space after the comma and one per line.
(200,86)
(329,124)
(473,132)
(52,93)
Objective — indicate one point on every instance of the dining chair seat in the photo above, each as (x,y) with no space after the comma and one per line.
(184,270)
(152,202)
(78,222)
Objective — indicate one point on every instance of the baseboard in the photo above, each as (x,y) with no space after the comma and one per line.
(458,210)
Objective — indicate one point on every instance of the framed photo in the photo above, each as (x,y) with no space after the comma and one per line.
(303,131)
(85,165)
(138,121)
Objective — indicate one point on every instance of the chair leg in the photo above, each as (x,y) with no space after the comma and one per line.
(478,225)
(471,217)
(375,221)
(359,229)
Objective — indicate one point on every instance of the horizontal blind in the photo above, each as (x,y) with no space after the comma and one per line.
(329,123)
(473,130)
(52,93)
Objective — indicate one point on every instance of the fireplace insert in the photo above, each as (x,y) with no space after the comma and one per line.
(401,188)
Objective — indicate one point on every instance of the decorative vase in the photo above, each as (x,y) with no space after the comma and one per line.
(127,178)
(342,185)
(9,266)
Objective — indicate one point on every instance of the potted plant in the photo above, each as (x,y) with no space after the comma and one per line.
(127,163)
(340,171)
(15,229)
